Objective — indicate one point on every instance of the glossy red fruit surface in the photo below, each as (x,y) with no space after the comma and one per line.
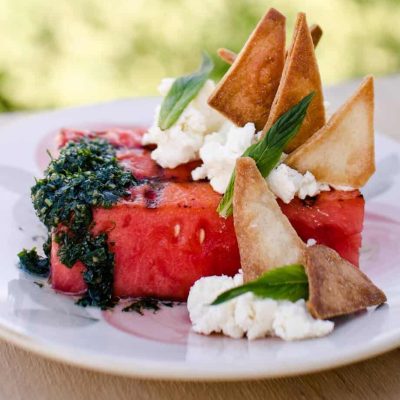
(334,219)
(165,237)
(168,233)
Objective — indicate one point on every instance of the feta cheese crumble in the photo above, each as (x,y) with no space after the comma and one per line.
(311,242)
(343,188)
(202,133)
(219,154)
(249,315)
(286,183)
(181,142)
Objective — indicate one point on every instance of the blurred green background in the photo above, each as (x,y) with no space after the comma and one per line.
(66,52)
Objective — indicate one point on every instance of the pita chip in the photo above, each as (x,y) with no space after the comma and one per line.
(300,77)
(229,56)
(247,90)
(342,152)
(267,240)
(316,34)
(265,236)
(336,287)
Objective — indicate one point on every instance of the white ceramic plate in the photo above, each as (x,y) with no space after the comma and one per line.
(161,345)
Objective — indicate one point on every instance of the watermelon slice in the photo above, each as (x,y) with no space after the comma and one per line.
(131,153)
(334,219)
(142,166)
(168,234)
(165,237)
(129,138)
(63,279)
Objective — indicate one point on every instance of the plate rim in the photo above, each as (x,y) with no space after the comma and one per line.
(176,371)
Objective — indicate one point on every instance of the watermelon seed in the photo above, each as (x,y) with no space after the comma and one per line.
(202,235)
(177,230)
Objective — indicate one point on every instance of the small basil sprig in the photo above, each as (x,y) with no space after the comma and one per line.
(267,152)
(284,283)
(182,92)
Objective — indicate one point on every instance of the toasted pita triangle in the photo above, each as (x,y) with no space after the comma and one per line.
(229,56)
(265,236)
(316,34)
(267,240)
(247,90)
(342,152)
(337,287)
(300,77)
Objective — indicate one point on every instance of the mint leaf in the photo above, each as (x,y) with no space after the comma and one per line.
(182,92)
(267,152)
(284,283)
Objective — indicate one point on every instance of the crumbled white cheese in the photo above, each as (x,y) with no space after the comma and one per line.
(294,322)
(181,142)
(202,133)
(219,154)
(249,315)
(207,319)
(311,242)
(342,188)
(286,183)
(255,316)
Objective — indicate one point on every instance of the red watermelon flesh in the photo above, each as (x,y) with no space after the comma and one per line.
(333,218)
(152,259)
(140,163)
(168,235)
(63,279)
(165,237)
(130,152)
(129,138)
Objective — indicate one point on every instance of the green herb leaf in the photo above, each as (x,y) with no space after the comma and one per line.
(182,92)
(267,152)
(284,283)
(31,262)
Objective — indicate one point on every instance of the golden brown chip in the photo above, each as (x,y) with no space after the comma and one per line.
(265,236)
(316,34)
(247,90)
(229,56)
(337,287)
(300,77)
(342,152)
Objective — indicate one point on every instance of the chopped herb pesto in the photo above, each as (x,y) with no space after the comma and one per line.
(94,253)
(31,262)
(85,175)
(145,303)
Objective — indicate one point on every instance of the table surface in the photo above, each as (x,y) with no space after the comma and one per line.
(29,376)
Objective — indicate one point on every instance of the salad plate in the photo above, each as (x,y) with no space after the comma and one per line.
(162,344)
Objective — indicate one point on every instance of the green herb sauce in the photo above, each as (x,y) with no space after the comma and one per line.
(31,262)
(146,303)
(85,175)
